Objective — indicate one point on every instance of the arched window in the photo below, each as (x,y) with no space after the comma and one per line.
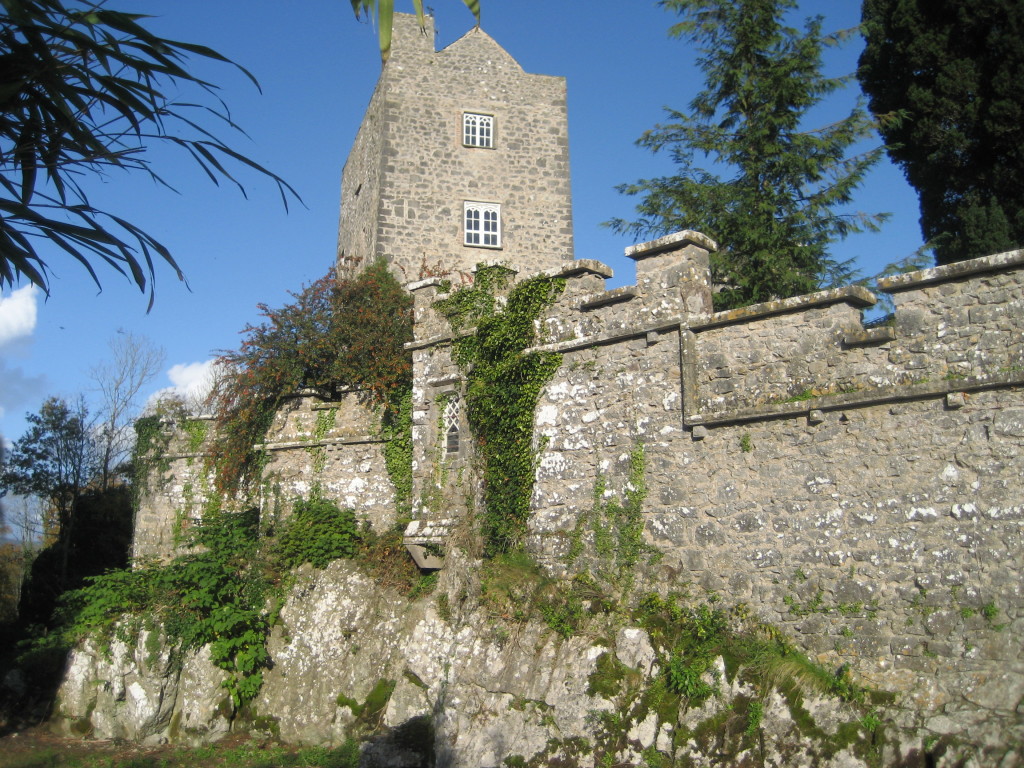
(482,224)
(477,130)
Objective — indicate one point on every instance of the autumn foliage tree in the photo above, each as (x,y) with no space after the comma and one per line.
(337,334)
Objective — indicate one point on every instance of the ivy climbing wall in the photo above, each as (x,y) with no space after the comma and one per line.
(860,488)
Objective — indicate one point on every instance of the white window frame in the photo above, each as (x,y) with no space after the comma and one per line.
(477,130)
(481,224)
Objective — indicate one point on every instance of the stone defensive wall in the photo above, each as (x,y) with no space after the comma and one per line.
(859,487)
(331,445)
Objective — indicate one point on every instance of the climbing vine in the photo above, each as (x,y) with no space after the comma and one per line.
(502,389)
(149,454)
(396,429)
(614,530)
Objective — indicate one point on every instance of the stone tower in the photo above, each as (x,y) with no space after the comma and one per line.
(462,157)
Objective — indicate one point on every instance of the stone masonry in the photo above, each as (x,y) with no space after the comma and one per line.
(409,173)
(861,488)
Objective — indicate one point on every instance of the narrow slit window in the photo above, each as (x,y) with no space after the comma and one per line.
(452,409)
(477,130)
(482,224)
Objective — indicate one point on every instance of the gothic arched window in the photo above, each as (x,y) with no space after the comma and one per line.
(477,130)
(482,224)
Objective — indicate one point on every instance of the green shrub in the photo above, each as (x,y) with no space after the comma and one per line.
(215,594)
(318,532)
(685,676)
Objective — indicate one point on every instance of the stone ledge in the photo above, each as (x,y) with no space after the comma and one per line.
(443,381)
(864,397)
(677,241)
(856,295)
(283,446)
(614,296)
(868,336)
(193,455)
(426,282)
(910,280)
(431,341)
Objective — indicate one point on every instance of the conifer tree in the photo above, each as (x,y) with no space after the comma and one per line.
(772,192)
(956,68)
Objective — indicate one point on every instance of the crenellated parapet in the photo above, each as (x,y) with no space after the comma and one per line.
(955,329)
(858,486)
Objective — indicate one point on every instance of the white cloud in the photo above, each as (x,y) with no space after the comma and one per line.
(190,383)
(17,388)
(18,314)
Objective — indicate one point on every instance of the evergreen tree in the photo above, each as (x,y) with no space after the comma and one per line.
(956,69)
(776,206)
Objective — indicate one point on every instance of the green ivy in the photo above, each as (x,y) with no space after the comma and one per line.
(474,302)
(324,423)
(615,529)
(196,429)
(502,389)
(149,455)
(317,532)
(396,429)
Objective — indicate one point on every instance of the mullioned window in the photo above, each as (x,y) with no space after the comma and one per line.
(482,224)
(477,130)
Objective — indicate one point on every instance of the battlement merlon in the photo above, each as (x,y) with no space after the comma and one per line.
(911,280)
(673,285)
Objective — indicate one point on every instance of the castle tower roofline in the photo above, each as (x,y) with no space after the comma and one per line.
(483,46)
(462,157)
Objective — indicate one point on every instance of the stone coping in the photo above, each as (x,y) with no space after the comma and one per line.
(877,395)
(615,295)
(426,282)
(579,267)
(667,325)
(355,440)
(857,295)
(675,241)
(910,280)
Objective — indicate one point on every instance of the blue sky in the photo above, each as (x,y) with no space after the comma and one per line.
(317,67)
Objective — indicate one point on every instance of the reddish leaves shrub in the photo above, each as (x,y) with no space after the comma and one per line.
(338,334)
